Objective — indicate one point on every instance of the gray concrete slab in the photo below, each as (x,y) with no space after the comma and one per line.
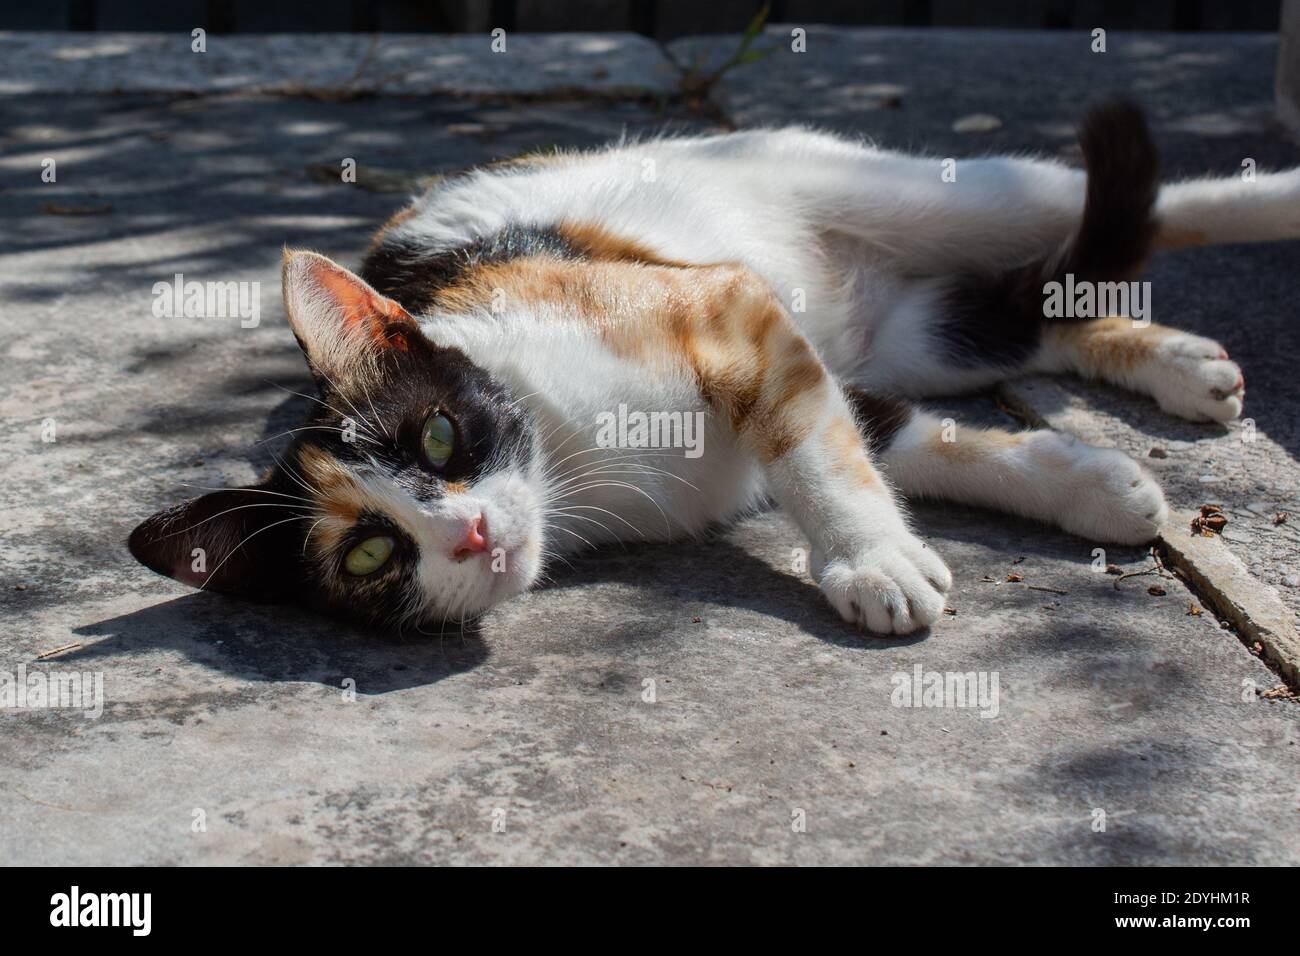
(766,710)
(402,64)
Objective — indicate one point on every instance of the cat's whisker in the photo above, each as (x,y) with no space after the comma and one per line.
(343,395)
(586,451)
(555,428)
(577,430)
(548,555)
(324,404)
(576,535)
(517,401)
(605,511)
(309,428)
(365,387)
(599,524)
(623,464)
(607,470)
(630,487)
(310,531)
(260,504)
(232,551)
(565,487)
(258,491)
(293,474)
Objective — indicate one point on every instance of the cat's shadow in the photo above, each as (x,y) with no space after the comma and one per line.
(667,586)
(281,643)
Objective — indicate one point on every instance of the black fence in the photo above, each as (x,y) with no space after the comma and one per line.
(664,19)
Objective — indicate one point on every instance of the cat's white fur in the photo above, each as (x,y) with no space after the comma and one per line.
(861,239)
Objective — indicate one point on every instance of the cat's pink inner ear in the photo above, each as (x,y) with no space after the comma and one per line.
(324,299)
(362,307)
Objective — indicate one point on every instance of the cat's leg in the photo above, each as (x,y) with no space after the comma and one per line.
(984,213)
(755,366)
(1198,212)
(927,213)
(868,563)
(971,330)
(1097,493)
(929,345)
(1188,375)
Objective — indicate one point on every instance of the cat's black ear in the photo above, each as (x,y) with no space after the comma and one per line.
(240,541)
(342,324)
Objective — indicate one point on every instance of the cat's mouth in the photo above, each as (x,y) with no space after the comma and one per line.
(508,559)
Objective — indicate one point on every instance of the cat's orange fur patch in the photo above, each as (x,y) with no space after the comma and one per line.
(339,496)
(847,452)
(1113,343)
(973,445)
(598,243)
(723,322)
(1169,238)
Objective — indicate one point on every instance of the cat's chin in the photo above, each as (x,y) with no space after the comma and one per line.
(522,570)
(519,571)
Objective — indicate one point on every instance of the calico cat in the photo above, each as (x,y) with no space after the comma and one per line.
(787,289)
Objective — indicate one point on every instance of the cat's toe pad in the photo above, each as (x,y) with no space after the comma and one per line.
(894,587)
(1193,378)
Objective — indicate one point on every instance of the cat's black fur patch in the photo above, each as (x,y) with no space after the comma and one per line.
(998,320)
(379,598)
(248,538)
(879,417)
(491,427)
(412,275)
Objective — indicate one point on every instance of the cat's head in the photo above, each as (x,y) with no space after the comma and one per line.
(413,495)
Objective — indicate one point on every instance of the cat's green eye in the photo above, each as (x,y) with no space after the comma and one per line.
(438,439)
(369,556)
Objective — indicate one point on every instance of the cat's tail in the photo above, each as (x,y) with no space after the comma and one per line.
(1116,234)
(1118,228)
(1127,213)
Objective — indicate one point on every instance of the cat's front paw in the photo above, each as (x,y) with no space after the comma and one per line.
(895,586)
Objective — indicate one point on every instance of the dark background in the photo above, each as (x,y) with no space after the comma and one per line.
(664,19)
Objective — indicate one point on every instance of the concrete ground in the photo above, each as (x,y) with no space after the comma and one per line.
(667,704)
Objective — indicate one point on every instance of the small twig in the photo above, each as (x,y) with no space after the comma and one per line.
(58,650)
(1154,569)
(1040,587)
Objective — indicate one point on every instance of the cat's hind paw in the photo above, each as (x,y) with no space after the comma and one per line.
(1101,493)
(1193,378)
(896,586)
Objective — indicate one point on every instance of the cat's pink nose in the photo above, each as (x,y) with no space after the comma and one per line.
(473,540)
